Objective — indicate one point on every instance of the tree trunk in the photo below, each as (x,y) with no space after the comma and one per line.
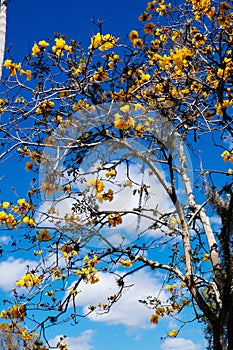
(230,331)
(217,338)
(3,11)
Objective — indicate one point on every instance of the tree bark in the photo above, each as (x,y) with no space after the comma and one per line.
(3,12)
(217,338)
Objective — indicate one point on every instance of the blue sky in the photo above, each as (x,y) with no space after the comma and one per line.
(127,326)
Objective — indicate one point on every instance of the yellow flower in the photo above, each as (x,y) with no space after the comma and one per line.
(27,73)
(35,50)
(98,184)
(138,107)
(26,336)
(107,196)
(172,333)
(43,236)
(67,188)
(110,173)
(154,319)
(29,166)
(115,219)
(170,288)
(149,28)
(60,46)
(103,42)
(139,130)
(28,280)
(99,75)
(44,107)
(12,66)
(43,44)
(138,43)
(226,155)
(126,263)
(21,201)
(206,257)
(7,63)
(123,122)
(125,109)
(144,16)
(48,188)
(5,205)
(133,35)
(3,216)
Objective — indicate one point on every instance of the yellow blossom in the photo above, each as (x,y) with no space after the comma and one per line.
(43,44)
(125,109)
(43,236)
(126,263)
(110,173)
(123,122)
(154,319)
(5,205)
(28,280)
(12,66)
(27,72)
(67,188)
(133,35)
(98,184)
(172,333)
(206,257)
(115,219)
(60,46)
(103,42)
(29,166)
(37,48)
(107,196)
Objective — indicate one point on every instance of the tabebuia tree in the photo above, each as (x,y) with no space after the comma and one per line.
(128,144)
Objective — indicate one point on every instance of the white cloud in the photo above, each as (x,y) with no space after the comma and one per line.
(128,310)
(12,270)
(124,199)
(180,343)
(81,342)
(216,220)
(4,239)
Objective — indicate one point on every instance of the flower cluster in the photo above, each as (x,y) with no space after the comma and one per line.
(28,280)
(172,333)
(8,217)
(40,47)
(99,187)
(103,42)
(124,121)
(134,38)
(61,46)
(89,272)
(14,67)
(126,263)
(16,311)
(100,75)
(43,236)
(114,219)
(44,107)
(226,155)
(68,251)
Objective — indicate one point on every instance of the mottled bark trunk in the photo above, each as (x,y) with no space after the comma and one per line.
(230,330)
(3,11)
(217,338)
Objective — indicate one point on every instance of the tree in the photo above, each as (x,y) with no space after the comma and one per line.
(3,12)
(13,337)
(83,122)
